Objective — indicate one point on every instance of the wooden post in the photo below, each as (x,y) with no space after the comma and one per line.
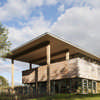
(83,86)
(92,86)
(67,58)
(67,55)
(36,80)
(48,68)
(12,79)
(70,85)
(59,84)
(48,54)
(96,87)
(54,87)
(30,66)
(87,86)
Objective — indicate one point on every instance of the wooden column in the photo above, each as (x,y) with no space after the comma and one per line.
(48,68)
(12,78)
(96,87)
(92,86)
(67,58)
(36,80)
(30,66)
(87,86)
(54,87)
(70,85)
(67,55)
(83,86)
(59,86)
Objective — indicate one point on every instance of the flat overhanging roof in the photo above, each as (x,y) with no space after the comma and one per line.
(35,50)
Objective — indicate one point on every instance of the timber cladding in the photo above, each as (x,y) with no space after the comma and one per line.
(59,70)
(30,74)
(88,70)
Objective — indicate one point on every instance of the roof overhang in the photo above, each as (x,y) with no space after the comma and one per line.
(35,50)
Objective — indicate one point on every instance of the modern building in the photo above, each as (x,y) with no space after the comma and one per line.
(62,67)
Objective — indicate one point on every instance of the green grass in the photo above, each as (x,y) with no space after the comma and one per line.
(9,97)
(58,97)
(6,98)
(70,97)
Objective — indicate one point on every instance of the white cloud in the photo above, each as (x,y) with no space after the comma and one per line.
(13,9)
(61,8)
(51,2)
(21,8)
(82,3)
(5,66)
(80,26)
(93,3)
(35,27)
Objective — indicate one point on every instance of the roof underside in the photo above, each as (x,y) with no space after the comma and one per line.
(35,50)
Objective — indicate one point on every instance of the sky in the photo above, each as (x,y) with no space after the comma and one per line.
(77,21)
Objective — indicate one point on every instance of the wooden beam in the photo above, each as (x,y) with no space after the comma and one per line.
(48,68)
(38,46)
(53,61)
(54,54)
(12,77)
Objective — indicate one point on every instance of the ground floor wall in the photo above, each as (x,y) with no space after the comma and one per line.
(98,86)
(86,86)
(57,86)
(69,85)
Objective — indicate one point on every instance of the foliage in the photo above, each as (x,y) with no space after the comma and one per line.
(4,43)
(3,82)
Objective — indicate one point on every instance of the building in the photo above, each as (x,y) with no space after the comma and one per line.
(63,67)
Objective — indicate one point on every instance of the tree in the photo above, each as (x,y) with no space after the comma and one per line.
(4,43)
(3,82)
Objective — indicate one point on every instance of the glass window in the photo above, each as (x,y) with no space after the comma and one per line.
(94,86)
(90,84)
(85,86)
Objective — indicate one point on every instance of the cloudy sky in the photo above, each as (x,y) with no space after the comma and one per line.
(77,21)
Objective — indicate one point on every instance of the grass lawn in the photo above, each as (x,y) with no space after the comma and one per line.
(69,97)
(6,98)
(58,97)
